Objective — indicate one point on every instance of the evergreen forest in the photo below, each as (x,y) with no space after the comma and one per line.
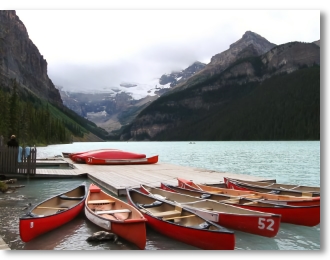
(283,107)
(38,122)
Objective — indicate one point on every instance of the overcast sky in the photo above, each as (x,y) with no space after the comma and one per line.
(97,49)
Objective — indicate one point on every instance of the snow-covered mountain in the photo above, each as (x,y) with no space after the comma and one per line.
(115,106)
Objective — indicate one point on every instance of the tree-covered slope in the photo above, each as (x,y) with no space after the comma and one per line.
(284,107)
(37,121)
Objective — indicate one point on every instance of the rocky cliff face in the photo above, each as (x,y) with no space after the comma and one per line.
(20,59)
(260,44)
(176,78)
(251,44)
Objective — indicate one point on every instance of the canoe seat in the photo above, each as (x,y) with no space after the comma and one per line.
(113,211)
(170,213)
(235,201)
(64,197)
(251,203)
(100,201)
(253,197)
(179,217)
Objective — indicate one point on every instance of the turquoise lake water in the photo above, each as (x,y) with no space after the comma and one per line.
(288,162)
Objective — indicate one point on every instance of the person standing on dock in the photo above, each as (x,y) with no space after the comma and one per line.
(12,142)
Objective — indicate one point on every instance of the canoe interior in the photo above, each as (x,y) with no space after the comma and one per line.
(251,194)
(208,205)
(281,186)
(101,201)
(223,198)
(170,212)
(60,203)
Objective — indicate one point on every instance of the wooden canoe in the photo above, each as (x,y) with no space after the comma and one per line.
(52,213)
(116,216)
(282,199)
(229,216)
(297,215)
(99,161)
(180,223)
(275,188)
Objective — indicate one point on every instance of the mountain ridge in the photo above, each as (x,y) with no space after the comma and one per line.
(162,114)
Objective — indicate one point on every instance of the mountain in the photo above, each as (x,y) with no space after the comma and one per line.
(251,44)
(31,106)
(107,110)
(117,107)
(247,71)
(21,60)
(177,77)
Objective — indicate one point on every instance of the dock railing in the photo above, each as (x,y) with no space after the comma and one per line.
(21,160)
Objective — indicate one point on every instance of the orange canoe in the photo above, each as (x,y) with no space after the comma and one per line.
(116,216)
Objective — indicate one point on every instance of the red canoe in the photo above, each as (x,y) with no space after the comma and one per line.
(99,161)
(229,216)
(266,197)
(115,215)
(275,188)
(298,215)
(52,213)
(181,224)
(106,154)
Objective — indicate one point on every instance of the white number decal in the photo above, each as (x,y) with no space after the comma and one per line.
(262,224)
(89,159)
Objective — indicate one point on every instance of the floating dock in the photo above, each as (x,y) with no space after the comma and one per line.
(117,178)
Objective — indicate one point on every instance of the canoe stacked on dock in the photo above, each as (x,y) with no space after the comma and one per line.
(111,157)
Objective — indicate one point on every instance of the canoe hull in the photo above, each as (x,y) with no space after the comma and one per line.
(229,216)
(98,161)
(131,227)
(250,194)
(266,226)
(297,215)
(110,154)
(281,186)
(206,240)
(130,230)
(232,184)
(32,225)
(219,239)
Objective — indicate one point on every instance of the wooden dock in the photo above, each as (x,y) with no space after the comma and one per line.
(117,178)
